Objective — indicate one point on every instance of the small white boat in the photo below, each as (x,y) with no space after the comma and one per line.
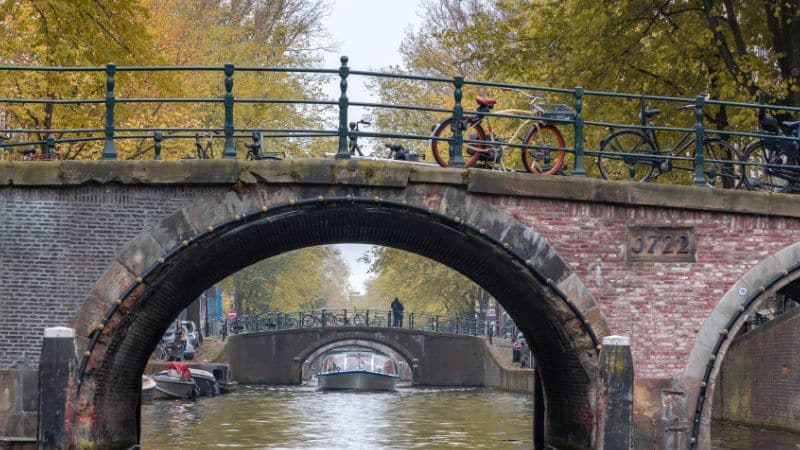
(221,373)
(205,381)
(148,389)
(357,370)
(176,382)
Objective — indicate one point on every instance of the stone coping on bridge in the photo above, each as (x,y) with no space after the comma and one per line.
(392,175)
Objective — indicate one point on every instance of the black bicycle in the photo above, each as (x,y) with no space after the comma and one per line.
(353,146)
(635,154)
(255,149)
(772,163)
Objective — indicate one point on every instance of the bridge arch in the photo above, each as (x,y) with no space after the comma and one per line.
(723,324)
(164,268)
(360,338)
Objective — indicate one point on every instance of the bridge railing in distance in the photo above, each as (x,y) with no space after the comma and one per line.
(364,318)
(594,114)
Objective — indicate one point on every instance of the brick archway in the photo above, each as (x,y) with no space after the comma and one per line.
(722,325)
(163,269)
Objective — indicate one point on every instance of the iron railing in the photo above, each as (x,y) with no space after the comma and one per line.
(365,318)
(109,132)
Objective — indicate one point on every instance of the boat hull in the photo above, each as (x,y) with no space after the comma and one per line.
(168,388)
(148,389)
(205,381)
(356,380)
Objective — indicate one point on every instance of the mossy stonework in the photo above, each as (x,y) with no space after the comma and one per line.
(135,242)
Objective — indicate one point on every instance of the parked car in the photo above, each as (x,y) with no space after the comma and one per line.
(194,334)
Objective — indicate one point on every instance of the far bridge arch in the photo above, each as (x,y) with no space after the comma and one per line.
(164,268)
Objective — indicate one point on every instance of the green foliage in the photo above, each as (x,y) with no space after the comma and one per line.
(423,285)
(299,280)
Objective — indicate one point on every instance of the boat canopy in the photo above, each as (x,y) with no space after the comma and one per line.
(358,361)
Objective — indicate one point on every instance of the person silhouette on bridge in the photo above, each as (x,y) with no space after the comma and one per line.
(397,313)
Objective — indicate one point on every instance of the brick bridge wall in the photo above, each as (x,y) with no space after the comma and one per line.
(61,225)
(759,382)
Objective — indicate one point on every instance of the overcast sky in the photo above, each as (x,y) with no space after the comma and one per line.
(369,33)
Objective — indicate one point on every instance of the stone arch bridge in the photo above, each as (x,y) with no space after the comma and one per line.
(116,249)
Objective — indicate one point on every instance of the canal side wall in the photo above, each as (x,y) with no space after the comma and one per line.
(759,383)
(498,376)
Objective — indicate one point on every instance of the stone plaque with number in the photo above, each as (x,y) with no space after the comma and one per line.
(659,244)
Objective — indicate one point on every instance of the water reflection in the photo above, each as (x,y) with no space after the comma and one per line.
(302,417)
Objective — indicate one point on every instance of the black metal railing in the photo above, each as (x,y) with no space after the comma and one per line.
(366,318)
(584,131)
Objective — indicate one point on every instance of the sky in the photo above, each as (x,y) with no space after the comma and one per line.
(369,32)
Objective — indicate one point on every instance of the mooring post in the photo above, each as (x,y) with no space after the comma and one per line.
(57,382)
(615,395)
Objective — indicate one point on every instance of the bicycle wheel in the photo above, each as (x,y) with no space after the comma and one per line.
(729,172)
(548,155)
(469,150)
(761,178)
(159,354)
(629,165)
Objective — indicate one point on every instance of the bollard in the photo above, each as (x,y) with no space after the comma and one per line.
(615,395)
(57,380)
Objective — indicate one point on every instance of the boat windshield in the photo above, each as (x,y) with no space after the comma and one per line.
(369,362)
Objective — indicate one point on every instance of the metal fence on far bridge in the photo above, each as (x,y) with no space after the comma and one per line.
(366,318)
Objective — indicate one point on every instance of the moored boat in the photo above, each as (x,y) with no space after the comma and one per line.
(205,381)
(357,370)
(176,382)
(221,372)
(148,389)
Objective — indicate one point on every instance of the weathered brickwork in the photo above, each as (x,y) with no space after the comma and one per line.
(55,244)
(759,383)
(660,305)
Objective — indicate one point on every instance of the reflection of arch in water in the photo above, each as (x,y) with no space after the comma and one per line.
(165,268)
(403,363)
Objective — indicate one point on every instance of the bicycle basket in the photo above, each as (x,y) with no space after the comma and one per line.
(558,111)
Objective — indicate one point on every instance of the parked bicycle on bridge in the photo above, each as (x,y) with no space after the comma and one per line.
(773,163)
(634,154)
(541,144)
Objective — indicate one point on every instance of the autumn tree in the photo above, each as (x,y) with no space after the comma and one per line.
(424,285)
(299,280)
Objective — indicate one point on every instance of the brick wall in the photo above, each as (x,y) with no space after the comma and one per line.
(759,383)
(54,245)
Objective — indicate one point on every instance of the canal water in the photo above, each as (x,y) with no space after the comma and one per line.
(301,417)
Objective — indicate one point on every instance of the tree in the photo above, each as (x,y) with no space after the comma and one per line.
(299,280)
(424,285)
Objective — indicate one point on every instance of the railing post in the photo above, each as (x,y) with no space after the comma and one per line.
(700,131)
(300,319)
(230,150)
(411,321)
(367,320)
(456,324)
(344,71)
(157,137)
(345,317)
(457,125)
(109,151)
(49,146)
(579,170)
(323,318)
(436,324)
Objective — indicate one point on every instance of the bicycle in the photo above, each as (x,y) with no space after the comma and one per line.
(640,158)
(773,164)
(201,151)
(353,146)
(542,145)
(255,150)
(159,354)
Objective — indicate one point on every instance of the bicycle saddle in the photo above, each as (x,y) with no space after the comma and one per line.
(791,125)
(648,113)
(485,101)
